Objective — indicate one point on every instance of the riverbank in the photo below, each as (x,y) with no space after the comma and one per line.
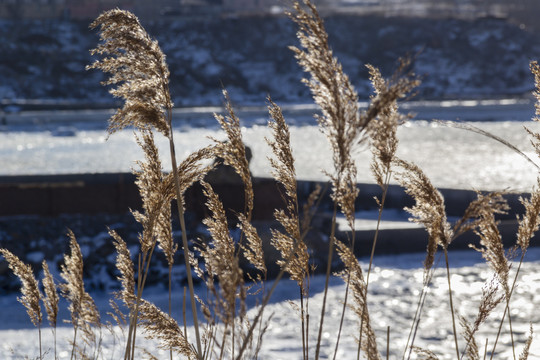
(249,56)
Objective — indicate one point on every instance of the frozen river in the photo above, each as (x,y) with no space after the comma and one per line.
(66,142)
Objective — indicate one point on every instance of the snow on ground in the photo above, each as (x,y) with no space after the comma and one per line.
(394,289)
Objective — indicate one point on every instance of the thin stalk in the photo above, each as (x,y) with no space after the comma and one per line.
(141,282)
(381,207)
(307,318)
(184,312)
(451,301)
(222,346)
(170,301)
(265,302)
(180,206)
(507,307)
(511,331)
(388,343)
(39,335)
(327,280)
(54,336)
(374,245)
(359,349)
(146,267)
(485,349)
(302,314)
(344,302)
(416,319)
(74,340)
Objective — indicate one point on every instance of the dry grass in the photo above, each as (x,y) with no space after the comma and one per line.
(138,69)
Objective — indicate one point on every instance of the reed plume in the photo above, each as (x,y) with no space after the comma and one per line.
(489,300)
(332,90)
(492,248)
(155,217)
(159,325)
(51,295)
(50,300)
(30,290)
(233,151)
(125,266)
(383,129)
(31,295)
(293,250)
(526,348)
(84,313)
(138,69)
(429,209)
(530,221)
(221,261)
(253,249)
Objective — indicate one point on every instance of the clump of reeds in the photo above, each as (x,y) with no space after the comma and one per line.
(139,72)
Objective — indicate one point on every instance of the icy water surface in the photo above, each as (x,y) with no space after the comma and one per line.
(453,158)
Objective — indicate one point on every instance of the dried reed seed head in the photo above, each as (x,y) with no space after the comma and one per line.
(491,297)
(429,209)
(526,348)
(492,248)
(158,325)
(190,171)
(283,163)
(253,251)
(335,95)
(30,287)
(345,193)
(354,277)
(220,258)
(383,130)
(309,208)
(124,264)
(233,151)
(81,305)
(530,221)
(153,188)
(294,256)
(468,333)
(137,64)
(491,202)
(424,354)
(51,295)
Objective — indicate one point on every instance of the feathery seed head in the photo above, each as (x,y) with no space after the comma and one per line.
(83,310)
(51,295)
(530,221)
(233,151)
(429,209)
(30,287)
(159,325)
(253,250)
(220,256)
(138,68)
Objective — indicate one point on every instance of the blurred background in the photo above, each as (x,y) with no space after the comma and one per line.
(463,48)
